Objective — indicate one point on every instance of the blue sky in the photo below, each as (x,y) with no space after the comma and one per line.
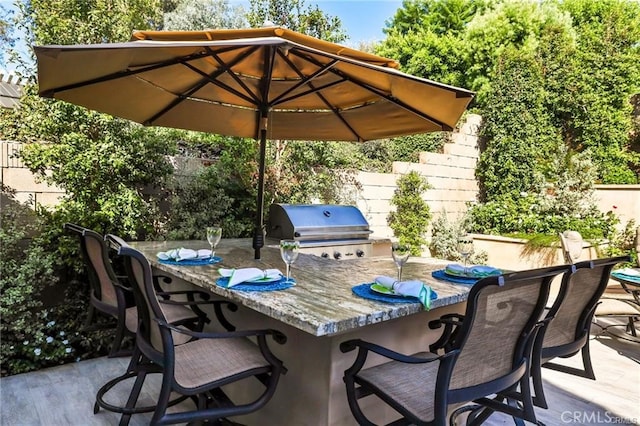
(362,19)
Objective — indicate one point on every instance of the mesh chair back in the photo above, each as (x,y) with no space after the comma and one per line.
(571,245)
(501,316)
(139,271)
(579,294)
(96,258)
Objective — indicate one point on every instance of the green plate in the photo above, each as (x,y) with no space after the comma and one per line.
(265,280)
(384,290)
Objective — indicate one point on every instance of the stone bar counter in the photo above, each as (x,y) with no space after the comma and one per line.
(316,315)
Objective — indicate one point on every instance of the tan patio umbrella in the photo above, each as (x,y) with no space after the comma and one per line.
(259,83)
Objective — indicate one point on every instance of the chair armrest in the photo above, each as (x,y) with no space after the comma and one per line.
(195,306)
(156,282)
(277,335)
(451,323)
(365,347)
(203,294)
(362,345)
(453,319)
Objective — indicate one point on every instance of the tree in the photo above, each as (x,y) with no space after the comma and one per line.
(426,37)
(439,16)
(411,218)
(87,21)
(587,50)
(102,162)
(520,138)
(293,15)
(607,74)
(204,14)
(5,31)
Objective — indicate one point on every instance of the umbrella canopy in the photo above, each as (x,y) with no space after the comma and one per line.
(259,83)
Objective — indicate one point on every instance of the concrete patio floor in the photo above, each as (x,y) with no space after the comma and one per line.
(65,395)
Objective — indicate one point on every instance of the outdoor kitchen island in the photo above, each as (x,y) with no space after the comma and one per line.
(316,315)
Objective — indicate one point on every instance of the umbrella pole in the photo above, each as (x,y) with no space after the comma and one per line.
(258,232)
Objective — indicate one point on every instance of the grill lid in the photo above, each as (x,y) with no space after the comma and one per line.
(316,222)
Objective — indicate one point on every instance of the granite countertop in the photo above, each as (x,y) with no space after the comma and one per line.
(322,302)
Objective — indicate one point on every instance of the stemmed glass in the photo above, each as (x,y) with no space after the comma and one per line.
(214,234)
(400,254)
(289,251)
(465,248)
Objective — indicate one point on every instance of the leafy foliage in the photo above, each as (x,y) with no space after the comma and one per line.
(566,204)
(35,335)
(584,61)
(102,163)
(88,21)
(444,240)
(520,139)
(623,242)
(293,15)
(410,220)
(202,14)
(222,193)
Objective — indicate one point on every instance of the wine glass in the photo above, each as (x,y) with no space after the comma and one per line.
(214,234)
(400,254)
(289,251)
(465,248)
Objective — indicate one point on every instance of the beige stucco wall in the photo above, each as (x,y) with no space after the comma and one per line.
(622,200)
(16,176)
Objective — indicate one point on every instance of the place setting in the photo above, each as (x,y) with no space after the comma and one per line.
(255,279)
(194,257)
(394,290)
(464,274)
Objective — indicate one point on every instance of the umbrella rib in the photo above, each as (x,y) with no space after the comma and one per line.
(208,78)
(305,80)
(181,97)
(323,68)
(212,79)
(121,74)
(386,96)
(228,69)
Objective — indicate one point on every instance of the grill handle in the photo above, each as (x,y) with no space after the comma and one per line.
(328,235)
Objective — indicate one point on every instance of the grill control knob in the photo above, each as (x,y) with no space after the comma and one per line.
(324,255)
(359,253)
(337,255)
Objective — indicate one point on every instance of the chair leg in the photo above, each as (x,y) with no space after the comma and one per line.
(539,399)
(136,368)
(91,315)
(116,346)
(631,326)
(133,397)
(163,402)
(586,361)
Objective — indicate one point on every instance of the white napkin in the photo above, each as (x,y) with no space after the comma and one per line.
(184,254)
(474,271)
(237,276)
(413,288)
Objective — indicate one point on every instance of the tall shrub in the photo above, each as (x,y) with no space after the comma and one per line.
(411,217)
(517,130)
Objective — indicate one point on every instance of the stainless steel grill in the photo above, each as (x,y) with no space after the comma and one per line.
(327,230)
